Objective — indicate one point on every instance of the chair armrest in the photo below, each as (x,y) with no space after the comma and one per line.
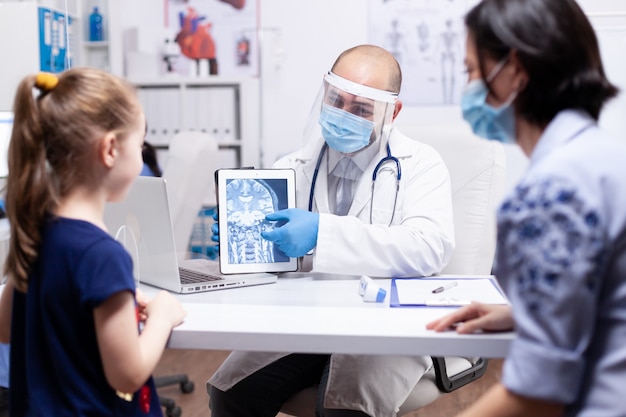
(447,383)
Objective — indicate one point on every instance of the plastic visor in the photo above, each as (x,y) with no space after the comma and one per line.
(366,102)
(359,89)
(362,101)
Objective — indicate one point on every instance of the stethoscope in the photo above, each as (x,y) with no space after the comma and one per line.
(384,160)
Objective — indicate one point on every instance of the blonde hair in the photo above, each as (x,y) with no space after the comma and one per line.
(53,148)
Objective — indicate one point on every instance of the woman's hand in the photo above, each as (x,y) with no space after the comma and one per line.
(476,316)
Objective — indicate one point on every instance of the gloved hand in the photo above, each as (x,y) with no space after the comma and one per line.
(215,233)
(296,237)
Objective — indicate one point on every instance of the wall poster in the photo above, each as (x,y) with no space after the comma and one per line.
(215,37)
(427,37)
(53,51)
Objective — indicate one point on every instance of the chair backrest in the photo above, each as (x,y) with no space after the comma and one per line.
(478,177)
(191,162)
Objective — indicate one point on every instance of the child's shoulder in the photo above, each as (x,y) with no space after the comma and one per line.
(76,234)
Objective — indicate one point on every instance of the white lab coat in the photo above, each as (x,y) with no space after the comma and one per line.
(419,242)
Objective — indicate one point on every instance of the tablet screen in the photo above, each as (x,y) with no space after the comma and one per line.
(245,197)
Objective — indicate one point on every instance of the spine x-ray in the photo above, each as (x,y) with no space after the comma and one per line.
(248,202)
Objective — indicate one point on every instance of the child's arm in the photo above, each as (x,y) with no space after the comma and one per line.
(6,305)
(128,357)
(500,402)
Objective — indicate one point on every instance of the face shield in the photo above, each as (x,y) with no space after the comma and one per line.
(350,116)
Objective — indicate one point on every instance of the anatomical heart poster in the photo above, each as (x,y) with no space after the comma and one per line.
(214,37)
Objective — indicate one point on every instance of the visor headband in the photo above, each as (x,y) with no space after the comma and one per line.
(359,89)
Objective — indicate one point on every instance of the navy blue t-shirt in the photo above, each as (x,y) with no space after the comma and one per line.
(56,367)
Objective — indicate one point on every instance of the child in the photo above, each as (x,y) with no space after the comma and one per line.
(69,307)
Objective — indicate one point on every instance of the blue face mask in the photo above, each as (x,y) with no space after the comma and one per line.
(343,131)
(487,121)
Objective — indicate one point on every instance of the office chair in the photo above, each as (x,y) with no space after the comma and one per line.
(186,386)
(477,174)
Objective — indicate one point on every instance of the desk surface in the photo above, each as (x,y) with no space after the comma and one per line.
(316,314)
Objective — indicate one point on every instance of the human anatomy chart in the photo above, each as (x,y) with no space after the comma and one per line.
(427,37)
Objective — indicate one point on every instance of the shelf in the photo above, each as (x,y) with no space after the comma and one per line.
(226,108)
(96,44)
(176,81)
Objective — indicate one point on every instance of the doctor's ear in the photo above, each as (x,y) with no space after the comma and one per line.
(396,110)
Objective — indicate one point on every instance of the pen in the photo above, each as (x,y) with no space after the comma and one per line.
(445,287)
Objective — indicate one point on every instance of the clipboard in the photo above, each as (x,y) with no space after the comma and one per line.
(419,291)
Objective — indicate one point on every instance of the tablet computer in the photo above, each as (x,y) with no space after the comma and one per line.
(244,198)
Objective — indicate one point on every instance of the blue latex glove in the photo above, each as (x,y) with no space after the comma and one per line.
(215,233)
(296,237)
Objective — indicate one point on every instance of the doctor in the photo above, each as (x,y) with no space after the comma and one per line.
(370,201)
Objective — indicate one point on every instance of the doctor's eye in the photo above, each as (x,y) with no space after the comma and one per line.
(338,103)
(364,110)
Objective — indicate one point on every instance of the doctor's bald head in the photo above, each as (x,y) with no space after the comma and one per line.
(370,65)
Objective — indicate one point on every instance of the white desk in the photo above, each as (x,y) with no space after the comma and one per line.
(307,314)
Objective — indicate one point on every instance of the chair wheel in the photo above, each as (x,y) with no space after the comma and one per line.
(174,412)
(187,387)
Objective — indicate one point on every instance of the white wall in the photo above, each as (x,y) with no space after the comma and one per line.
(300,40)
(311,36)
(306,36)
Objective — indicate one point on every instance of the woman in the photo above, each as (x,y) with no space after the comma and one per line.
(536,78)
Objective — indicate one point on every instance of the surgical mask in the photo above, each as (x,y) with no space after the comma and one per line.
(494,123)
(343,131)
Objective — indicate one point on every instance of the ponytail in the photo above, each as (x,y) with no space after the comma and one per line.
(30,193)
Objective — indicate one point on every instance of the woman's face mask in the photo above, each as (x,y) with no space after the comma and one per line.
(494,123)
(343,131)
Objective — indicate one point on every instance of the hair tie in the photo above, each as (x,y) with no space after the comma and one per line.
(46,81)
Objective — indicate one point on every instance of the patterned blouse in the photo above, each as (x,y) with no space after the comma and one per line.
(557,259)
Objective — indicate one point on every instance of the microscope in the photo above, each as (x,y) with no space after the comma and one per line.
(170,52)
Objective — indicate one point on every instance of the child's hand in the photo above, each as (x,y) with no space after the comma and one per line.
(142,301)
(166,308)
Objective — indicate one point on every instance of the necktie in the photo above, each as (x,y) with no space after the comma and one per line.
(345,171)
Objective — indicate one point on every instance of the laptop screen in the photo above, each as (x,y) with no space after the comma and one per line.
(6,126)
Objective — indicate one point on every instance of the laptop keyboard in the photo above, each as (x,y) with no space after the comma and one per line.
(187,276)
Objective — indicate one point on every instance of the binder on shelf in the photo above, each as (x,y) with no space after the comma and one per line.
(226,107)
(147,99)
(170,114)
(450,291)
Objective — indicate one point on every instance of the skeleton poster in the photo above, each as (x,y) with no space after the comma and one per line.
(427,37)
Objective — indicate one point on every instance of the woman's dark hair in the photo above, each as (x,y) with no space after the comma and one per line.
(556,46)
(149,155)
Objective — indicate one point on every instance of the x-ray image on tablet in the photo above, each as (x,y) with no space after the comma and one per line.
(245,197)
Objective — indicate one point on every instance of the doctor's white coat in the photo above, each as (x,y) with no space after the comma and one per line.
(419,242)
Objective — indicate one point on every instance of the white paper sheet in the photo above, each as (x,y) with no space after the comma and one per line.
(420,292)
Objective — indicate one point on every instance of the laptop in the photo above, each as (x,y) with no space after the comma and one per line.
(142,223)
(6,126)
